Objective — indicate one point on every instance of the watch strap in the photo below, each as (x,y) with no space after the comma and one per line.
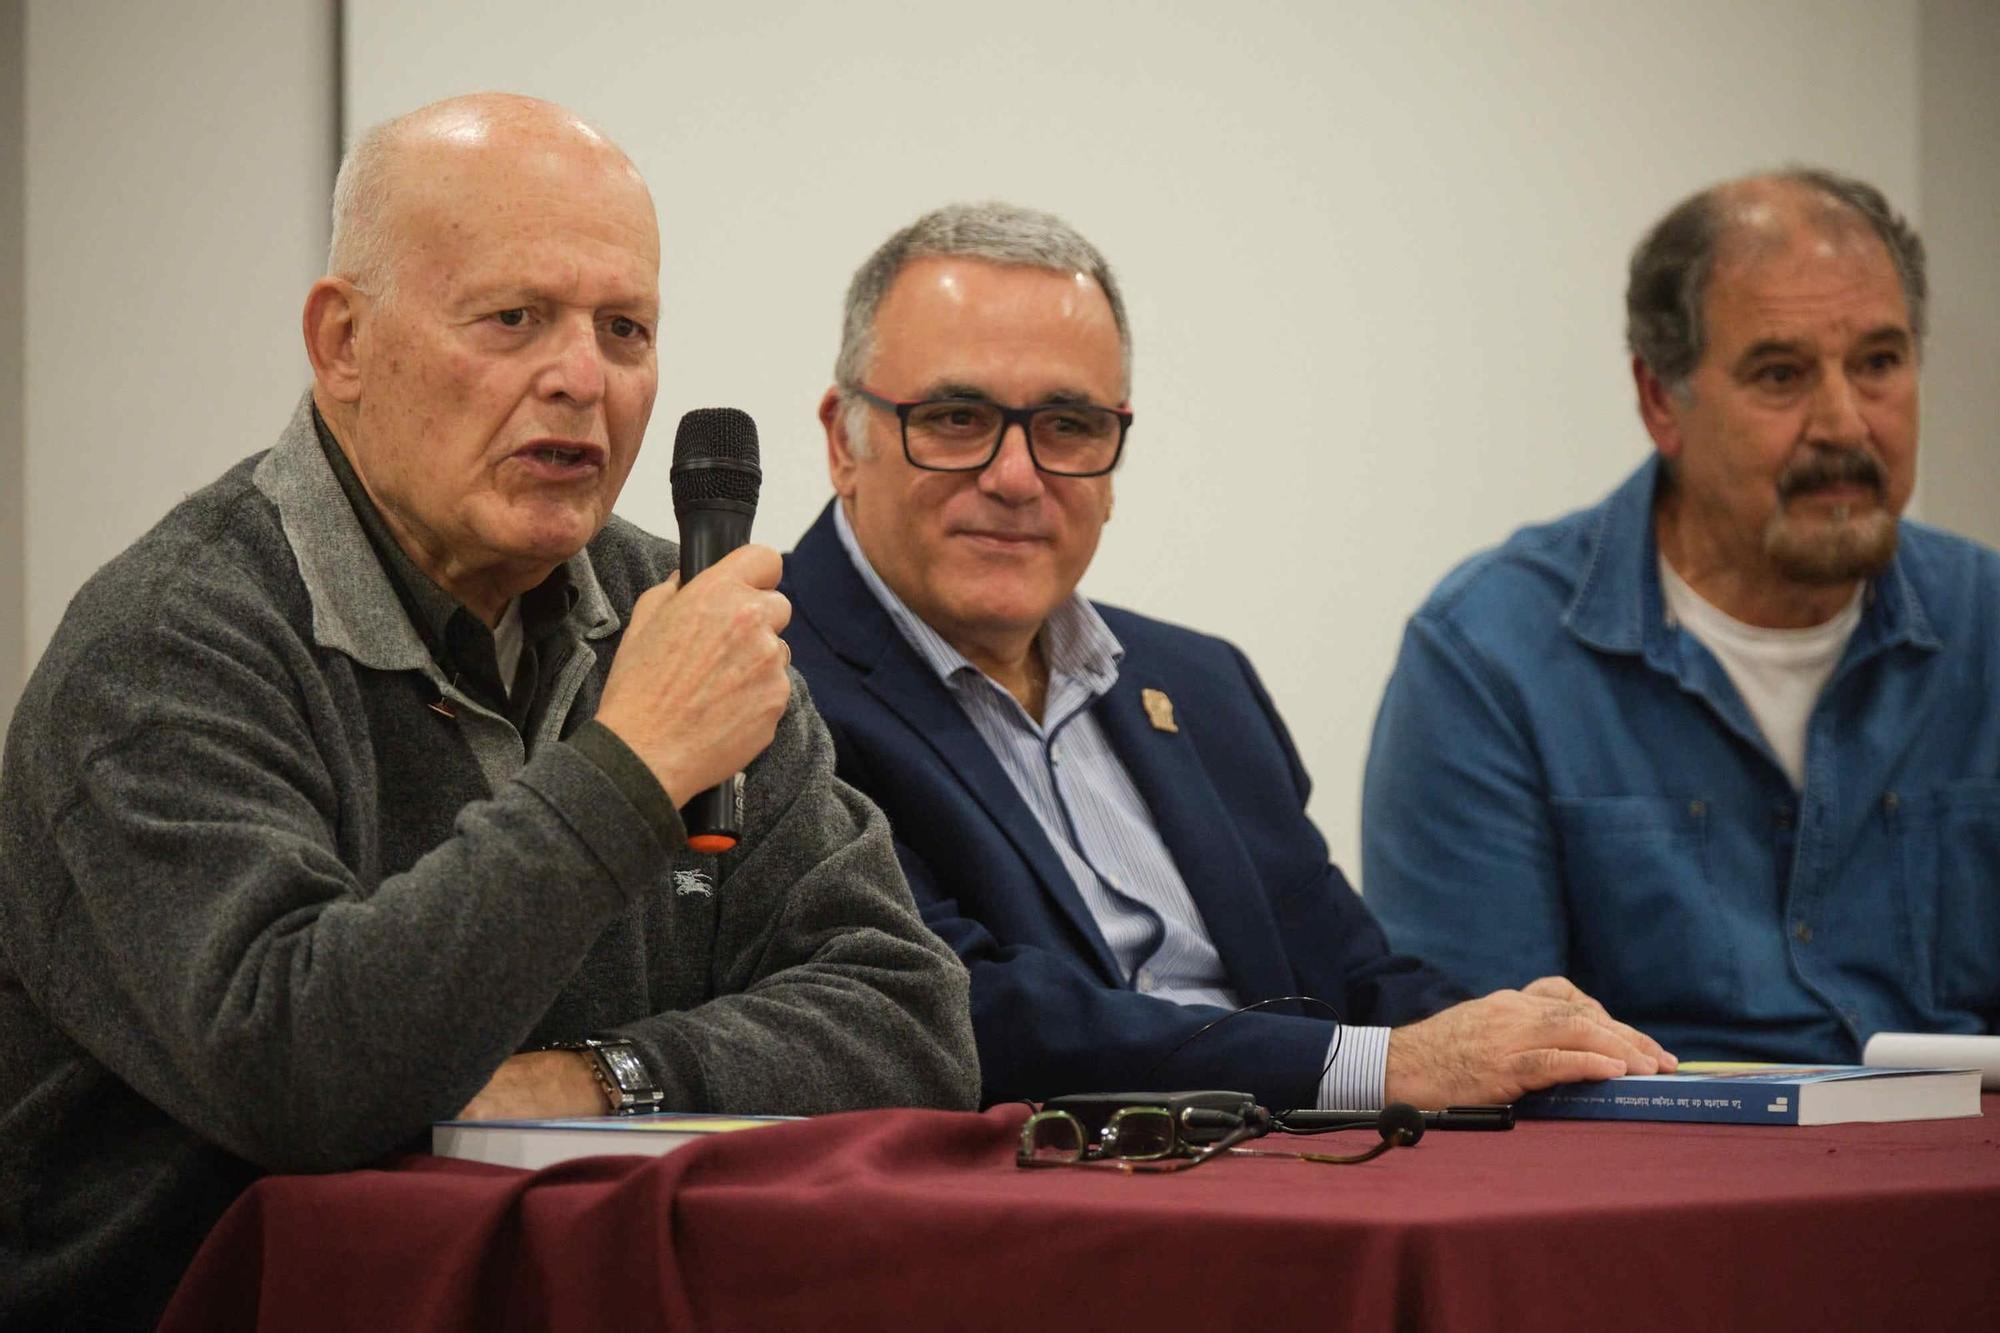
(620,1072)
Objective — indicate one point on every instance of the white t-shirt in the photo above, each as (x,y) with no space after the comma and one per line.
(1779,672)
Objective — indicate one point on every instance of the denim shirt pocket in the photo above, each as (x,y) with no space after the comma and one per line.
(1648,933)
(1952,860)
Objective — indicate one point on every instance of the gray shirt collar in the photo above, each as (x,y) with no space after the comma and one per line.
(460,642)
(356,607)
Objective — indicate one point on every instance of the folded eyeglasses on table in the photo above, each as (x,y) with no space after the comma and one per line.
(1151,1132)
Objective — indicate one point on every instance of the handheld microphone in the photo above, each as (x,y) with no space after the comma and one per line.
(715,481)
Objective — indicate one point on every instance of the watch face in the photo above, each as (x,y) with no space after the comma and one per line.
(625,1068)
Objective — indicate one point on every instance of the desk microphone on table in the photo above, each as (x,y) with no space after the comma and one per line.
(1399,1123)
(1452,1117)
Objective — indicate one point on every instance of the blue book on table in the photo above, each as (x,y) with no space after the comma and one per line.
(1764,1094)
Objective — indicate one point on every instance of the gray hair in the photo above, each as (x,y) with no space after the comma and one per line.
(360,248)
(1000,233)
(1671,266)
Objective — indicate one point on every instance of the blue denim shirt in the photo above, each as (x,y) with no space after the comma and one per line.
(1564,781)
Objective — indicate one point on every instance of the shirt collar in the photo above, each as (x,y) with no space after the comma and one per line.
(1076,643)
(430,608)
(1619,606)
(354,604)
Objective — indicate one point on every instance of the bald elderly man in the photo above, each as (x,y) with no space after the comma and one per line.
(345,800)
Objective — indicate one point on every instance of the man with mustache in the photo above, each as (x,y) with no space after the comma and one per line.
(1724,747)
(345,800)
(1102,813)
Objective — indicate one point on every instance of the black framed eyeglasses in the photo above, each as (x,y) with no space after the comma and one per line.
(964,434)
(1134,1139)
(1150,1139)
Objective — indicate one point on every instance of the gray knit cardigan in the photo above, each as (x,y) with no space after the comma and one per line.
(262,908)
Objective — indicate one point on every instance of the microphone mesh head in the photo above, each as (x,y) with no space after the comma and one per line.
(1400,1123)
(715,457)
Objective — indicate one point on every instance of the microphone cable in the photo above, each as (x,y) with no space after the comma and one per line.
(1339,1032)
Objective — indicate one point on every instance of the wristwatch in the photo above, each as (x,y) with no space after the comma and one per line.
(620,1072)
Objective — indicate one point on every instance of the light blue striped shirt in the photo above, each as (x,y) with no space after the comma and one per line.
(1094,817)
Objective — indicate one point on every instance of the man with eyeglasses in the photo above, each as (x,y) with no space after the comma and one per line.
(1102,813)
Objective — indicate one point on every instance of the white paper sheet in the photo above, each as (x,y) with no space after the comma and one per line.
(1927,1050)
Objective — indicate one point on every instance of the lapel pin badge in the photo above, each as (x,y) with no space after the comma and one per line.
(1159,709)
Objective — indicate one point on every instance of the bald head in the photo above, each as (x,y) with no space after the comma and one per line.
(493,405)
(396,169)
(1762,215)
(1742,221)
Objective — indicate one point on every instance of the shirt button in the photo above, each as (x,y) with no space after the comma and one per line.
(1803,932)
(1145,978)
(1697,808)
(1784,819)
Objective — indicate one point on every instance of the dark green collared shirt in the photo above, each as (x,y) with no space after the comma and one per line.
(463,647)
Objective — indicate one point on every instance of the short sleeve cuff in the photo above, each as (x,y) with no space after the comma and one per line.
(1357,1080)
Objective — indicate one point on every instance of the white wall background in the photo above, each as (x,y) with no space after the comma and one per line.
(178,163)
(1374,255)
(13,205)
(1959,141)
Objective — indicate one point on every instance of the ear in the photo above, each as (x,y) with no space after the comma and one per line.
(840,461)
(1659,409)
(332,331)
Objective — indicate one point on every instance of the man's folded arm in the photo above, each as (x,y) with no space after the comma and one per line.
(212,949)
(1047,1026)
(841,998)
(1459,858)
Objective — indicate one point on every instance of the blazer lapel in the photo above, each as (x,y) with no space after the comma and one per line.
(1200,835)
(855,626)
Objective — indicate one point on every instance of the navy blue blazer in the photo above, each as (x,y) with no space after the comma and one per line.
(1049,1007)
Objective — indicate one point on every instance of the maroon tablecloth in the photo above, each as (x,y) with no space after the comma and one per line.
(919,1220)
